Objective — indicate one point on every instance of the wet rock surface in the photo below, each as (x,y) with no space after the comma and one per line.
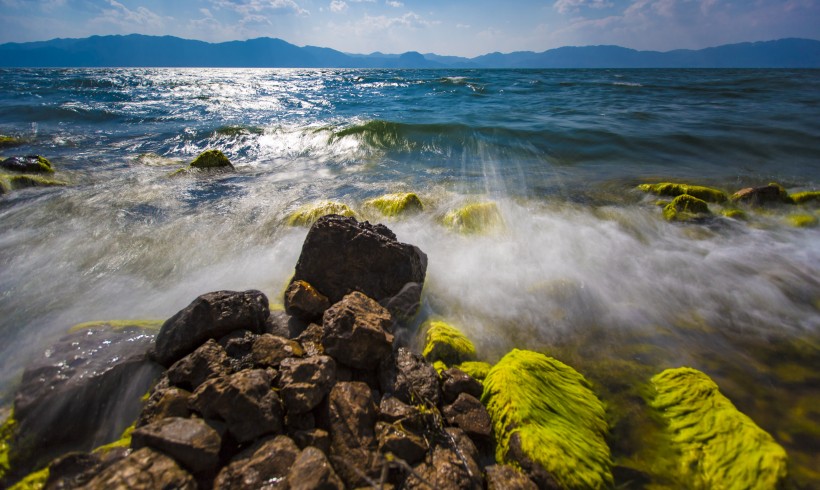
(356,331)
(191,442)
(144,469)
(264,464)
(304,302)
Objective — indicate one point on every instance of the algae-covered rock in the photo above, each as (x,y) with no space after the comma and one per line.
(734,214)
(211,159)
(719,447)
(28,164)
(802,220)
(9,182)
(476,369)
(684,208)
(670,189)
(547,420)
(310,213)
(7,431)
(474,218)
(9,141)
(34,481)
(773,193)
(396,204)
(443,342)
(806,197)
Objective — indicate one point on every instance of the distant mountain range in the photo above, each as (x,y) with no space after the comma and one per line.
(167,51)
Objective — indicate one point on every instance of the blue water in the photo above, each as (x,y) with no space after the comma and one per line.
(584,266)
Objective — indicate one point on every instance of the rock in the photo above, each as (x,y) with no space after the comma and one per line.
(469,415)
(265,464)
(94,378)
(208,361)
(269,350)
(309,214)
(311,339)
(762,196)
(505,477)
(211,315)
(211,159)
(686,208)
(165,401)
(391,409)
(144,469)
(304,302)
(312,471)
(357,332)
(300,421)
(239,347)
(478,217)
(401,443)
(303,383)
(191,442)
(455,381)
(451,466)
(318,438)
(802,220)
(475,369)
(27,164)
(244,401)
(9,141)
(352,422)
(443,342)
(72,470)
(806,197)
(410,378)
(547,419)
(670,189)
(341,255)
(9,182)
(283,325)
(392,205)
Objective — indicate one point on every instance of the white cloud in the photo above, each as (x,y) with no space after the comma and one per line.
(382,22)
(394,3)
(338,6)
(567,6)
(249,7)
(121,15)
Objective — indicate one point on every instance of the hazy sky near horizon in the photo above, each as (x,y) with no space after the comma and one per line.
(448,27)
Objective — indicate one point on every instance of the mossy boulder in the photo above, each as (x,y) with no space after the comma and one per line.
(34,481)
(807,197)
(547,421)
(802,220)
(685,208)
(445,343)
(474,218)
(28,164)
(9,141)
(9,182)
(211,159)
(670,189)
(393,205)
(476,369)
(310,213)
(718,446)
(734,214)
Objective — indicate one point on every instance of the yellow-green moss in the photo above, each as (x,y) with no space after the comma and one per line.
(6,434)
(34,164)
(445,343)
(476,369)
(7,141)
(439,366)
(474,218)
(684,208)
(123,442)
(734,214)
(396,204)
(718,446)
(806,197)
(559,421)
(10,182)
(119,325)
(670,189)
(34,481)
(211,159)
(802,220)
(308,214)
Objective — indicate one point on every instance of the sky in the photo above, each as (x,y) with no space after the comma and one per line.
(446,27)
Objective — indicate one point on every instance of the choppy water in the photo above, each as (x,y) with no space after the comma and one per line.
(584,268)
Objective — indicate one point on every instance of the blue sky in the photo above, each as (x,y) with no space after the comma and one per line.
(452,27)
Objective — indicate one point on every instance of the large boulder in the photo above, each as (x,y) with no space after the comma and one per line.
(191,442)
(357,332)
(144,469)
(260,466)
(341,255)
(210,316)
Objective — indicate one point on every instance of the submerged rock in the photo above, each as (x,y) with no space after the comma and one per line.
(9,141)
(762,196)
(718,446)
(308,215)
(392,205)
(445,343)
(685,208)
(802,220)
(357,332)
(211,159)
(474,218)
(28,164)
(806,197)
(547,420)
(10,182)
(670,189)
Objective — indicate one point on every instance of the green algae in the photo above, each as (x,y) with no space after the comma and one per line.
(11,182)
(685,208)
(735,214)
(211,159)
(34,481)
(33,164)
(802,220)
(718,446)
(6,434)
(123,442)
(118,325)
(308,214)
(550,409)
(806,197)
(670,189)
(396,204)
(476,369)
(473,218)
(445,343)
(8,141)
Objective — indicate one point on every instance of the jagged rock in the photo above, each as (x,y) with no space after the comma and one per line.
(410,378)
(72,470)
(303,383)
(452,465)
(403,444)
(761,196)
(263,465)
(93,378)
(165,401)
(208,361)
(314,437)
(27,164)
(504,477)
(352,421)
(304,302)
(357,332)
(144,469)
(311,339)
(469,415)
(191,442)
(312,471)
(391,409)
(212,315)
(239,347)
(300,421)
(341,255)
(269,350)
(283,325)
(244,401)
(455,381)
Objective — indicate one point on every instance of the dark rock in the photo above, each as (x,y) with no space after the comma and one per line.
(211,159)
(504,477)
(761,196)
(303,383)
(270,350)
(311,339)
(72,470)
(357,332)
(263,465)
(406,302)
(208,361)
(312,471)
(314,437)
(341,255)
(304,302)
(165,401)
(542,478)
(300,421)
(352,418)
(144,469)
(239,347)
(211,315)
(410,378)
(244,401)
(191,442)
(391,409)
(403,444)
(27,164)
(283,325)
(93,377)
(469,415)
(452,465)
(455,381)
